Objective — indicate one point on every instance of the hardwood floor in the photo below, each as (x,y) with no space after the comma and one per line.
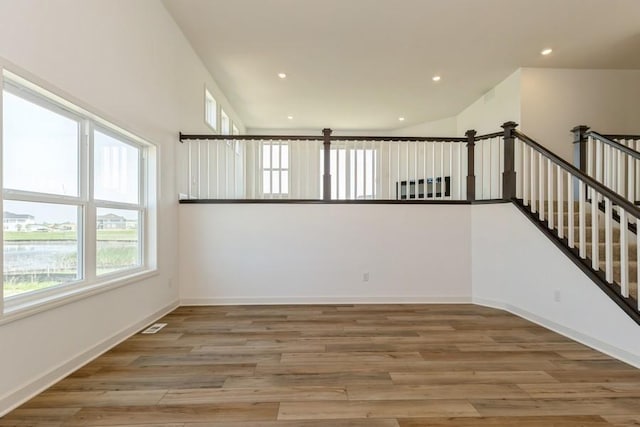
(343,365)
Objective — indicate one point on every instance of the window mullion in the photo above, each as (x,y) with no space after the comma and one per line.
(1,186)
(89,218)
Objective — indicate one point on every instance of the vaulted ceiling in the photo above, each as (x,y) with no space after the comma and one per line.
(362,64)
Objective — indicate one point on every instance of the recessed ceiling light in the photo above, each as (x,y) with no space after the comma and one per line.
(290,117)
(436,78)
(401,119)
(282,75)
(546,51)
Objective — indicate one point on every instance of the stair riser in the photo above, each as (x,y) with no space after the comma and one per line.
(632,251)
(601,235)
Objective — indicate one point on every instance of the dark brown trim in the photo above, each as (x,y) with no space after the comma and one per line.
(203,137)
(471,165)
(600,188)
(211,137)
(399,138)
(337,202)
(326,173)
(580,147)
(509,174)
(622,136)
(615,144)
(489,136)
(628,305)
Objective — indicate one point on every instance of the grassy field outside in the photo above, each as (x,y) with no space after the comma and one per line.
(15,288)
(116,250)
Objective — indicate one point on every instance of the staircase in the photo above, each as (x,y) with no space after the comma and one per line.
(554,195)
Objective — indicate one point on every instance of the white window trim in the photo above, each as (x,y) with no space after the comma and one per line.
(22,305)
(216,114)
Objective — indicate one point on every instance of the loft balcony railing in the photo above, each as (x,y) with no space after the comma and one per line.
(342,168)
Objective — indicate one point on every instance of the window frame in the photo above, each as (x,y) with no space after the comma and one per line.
(89,282)
(279,169)
(210,103)
(225,122)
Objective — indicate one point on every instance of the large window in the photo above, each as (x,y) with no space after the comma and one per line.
(275,169)
(74,196)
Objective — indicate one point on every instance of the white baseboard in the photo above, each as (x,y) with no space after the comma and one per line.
(615,352)
(418,299)
(20,395)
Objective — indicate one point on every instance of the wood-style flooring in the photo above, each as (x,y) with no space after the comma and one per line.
(343,365)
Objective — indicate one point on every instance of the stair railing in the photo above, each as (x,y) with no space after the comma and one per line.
(612,160)
(566,201)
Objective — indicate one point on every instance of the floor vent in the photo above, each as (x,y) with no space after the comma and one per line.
(153,329)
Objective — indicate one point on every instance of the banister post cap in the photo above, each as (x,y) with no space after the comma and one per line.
(470,133)
(580,128)
(327,131)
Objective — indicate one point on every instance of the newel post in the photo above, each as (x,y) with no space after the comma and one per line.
(471,168)
(326,176)
(509,175)
(580,147)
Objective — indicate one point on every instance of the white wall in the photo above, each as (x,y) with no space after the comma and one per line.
(442,127)
(499,105)
(318,253)
(516,267)
(128,62)
(556,100)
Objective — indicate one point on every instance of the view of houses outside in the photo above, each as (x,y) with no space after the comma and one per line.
(41,244)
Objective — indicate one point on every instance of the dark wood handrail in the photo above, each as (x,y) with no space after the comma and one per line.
(622,136)
(600,188)
(615,144)
(215,137)
(489,136)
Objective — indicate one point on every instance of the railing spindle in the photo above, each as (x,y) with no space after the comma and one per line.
(541,187)
(582,227)
(570,211)
(550,194)
(608,239)
(560,201)
(624,254)
(595,231)
(534,180)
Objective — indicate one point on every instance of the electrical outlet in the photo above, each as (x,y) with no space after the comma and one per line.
(557,296)
(365,277)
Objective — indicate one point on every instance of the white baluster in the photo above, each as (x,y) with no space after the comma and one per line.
(570,211)
(541,186)
(582,227)
(619,171)
(631,172)
(598,149)
(526,177)
(608,240)
(560,202)
(550,194)
(595,231)
(534,180)
(624,253)
(590,146)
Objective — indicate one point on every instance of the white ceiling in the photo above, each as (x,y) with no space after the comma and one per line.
(361,64)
